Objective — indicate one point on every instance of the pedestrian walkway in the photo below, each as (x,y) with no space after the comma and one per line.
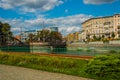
(18,73)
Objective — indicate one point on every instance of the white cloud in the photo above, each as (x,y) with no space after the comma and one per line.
(30,5)
(98,1)
(66,11)
(66,25)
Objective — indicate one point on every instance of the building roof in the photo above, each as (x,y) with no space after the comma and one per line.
(98,18)
(31,31)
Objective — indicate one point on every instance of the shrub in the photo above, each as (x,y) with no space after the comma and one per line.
(112,51)
(106,66)
(79,49)
(88,50)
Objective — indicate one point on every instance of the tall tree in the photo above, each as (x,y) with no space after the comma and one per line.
(31,37)
(5,33)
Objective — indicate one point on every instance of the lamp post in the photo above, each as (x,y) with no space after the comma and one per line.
(21,33)
(43,32)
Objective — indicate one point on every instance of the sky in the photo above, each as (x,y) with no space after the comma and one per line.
(67,15)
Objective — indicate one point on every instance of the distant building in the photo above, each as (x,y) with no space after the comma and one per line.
(18,37)
(25,35)
(81,35)
(54,29)
(73,37)
(101,26)
(70,37)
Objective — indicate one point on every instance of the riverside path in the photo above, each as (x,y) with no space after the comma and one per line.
(19,73)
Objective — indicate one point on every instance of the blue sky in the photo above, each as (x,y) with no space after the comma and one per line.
(66,14)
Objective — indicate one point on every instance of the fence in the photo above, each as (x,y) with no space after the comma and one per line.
(80,51)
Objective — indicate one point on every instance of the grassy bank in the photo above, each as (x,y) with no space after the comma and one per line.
(52,64)
(104,67)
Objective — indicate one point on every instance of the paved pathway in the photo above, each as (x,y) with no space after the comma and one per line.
(18,73)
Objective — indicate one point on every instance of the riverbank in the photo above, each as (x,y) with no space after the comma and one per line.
(70,66)
(55,55)
(100,67)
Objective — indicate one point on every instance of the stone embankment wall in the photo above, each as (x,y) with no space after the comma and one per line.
(114,42)
(111,45)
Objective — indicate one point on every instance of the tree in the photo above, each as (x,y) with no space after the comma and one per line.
(113,35)
(5,33)
(94,37)
(103,36)
(55,37)
(99,38)
(88,38)
(49,36)
(31,36)
(43,35)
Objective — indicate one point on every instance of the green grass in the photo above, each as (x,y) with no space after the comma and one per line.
(102,67)
(105,67)
(52,64)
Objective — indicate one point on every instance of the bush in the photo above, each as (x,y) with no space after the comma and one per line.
(79,49)
(106,66)
(88,50)
(112,51)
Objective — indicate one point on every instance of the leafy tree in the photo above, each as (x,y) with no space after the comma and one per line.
(49,36)
(99,38)
(113,35)
(94,37)
(88,38)
(55,37)
(43,35)
(31,37)
(103,36)
(5,33)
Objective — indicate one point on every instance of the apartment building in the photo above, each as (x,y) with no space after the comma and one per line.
(82,35)
(70,37)
(25,35)
(73,37)
(101,26)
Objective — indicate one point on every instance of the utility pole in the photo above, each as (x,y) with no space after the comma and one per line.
(21,33)
(43,32)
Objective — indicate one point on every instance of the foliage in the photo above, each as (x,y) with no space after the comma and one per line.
(94,37)
(55,37)
(105,40)
(88,38)
(88,50)
(4,33)
(113,35)
(53,64)
(103,36)
(31,36)
(46,36)
(79,49)
(105,66)
(112,51)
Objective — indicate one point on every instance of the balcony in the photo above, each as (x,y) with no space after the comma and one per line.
(118,27)
(107,23)
(118,30)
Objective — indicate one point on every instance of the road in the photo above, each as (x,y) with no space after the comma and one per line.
(19,73)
